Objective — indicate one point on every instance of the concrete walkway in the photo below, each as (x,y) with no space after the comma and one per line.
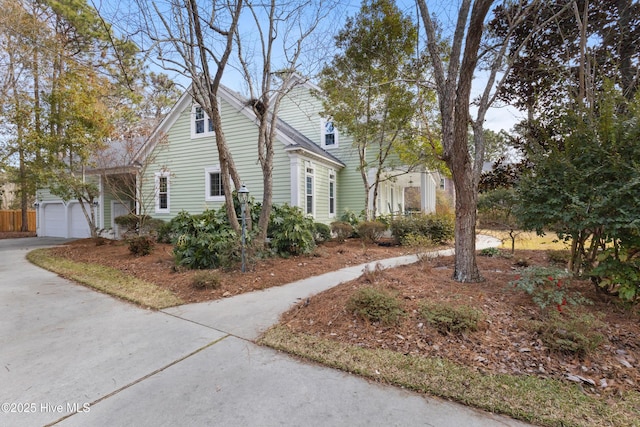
(248,315)
(70,356)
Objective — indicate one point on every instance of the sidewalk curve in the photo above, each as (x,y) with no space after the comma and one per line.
(248,315)
(74,357)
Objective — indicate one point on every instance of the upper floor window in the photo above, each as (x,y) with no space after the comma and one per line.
(201,124)
(329,134)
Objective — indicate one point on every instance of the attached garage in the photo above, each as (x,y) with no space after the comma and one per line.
(57,219)
(78,226)
(52,220)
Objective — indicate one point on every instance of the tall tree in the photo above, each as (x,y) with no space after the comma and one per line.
(68,62)
(587,188)
(264,41)
(369,88)
(88,65)
(588,42)
(21,35)
(197,41)
(453,71)
(286,36)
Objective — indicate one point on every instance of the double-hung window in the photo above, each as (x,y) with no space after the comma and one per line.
(202,125)
(162,192)
(332,194)
(309,190)
(214,191)
(329,134)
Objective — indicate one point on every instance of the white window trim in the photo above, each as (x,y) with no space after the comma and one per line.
(335,195)
(323,122)
(192,117)
(207,184)
(309,165)
(159,175)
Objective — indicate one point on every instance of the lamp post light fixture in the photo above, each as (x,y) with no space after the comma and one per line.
(243,197)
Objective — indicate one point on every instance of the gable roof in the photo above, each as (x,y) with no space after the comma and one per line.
(289,136)
(302,143)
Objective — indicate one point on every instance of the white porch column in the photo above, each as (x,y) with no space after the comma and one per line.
(427,193)
(295,163)
(100,207)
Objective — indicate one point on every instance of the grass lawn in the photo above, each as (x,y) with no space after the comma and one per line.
(527,240)
(107,280)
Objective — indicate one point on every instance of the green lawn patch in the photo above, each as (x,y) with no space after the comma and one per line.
(107,280)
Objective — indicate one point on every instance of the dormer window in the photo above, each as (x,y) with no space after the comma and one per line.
(329,134)
(201,124)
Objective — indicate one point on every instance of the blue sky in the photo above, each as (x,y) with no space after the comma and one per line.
(117,11)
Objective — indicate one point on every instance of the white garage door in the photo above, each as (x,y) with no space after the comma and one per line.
(79,228)
(53,220)
(56,224)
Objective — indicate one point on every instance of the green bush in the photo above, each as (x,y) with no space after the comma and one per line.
(569,332)
(618,271)
(342,230)
(491,252)
(371,231)
(439,228)
(206,280)
(165,233)
(418,242)
(130,221)
(203,250)
(352,218)
(140,245)
(204,241)
(321,232)
(547,287)
(290,231)
(375,305)
(449,318)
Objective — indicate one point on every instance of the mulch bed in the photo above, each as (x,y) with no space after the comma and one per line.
(503,343)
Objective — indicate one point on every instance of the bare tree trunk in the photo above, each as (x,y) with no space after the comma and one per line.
(206,89)
(582,68)
(265,155)
(454,89)
(24,197)
(466,268)
(275,21)
(365,180)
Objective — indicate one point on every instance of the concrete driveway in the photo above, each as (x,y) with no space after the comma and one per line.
(71,356)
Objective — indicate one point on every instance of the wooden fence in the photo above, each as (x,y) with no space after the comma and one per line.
(12,220)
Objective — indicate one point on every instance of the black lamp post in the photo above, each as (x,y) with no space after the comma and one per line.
(243,197)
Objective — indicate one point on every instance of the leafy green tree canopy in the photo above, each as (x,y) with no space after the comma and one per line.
(370,88)
(587,188)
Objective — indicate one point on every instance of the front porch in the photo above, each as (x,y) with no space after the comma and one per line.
(403,193)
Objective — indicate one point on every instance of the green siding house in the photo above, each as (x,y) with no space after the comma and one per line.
(315,166)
